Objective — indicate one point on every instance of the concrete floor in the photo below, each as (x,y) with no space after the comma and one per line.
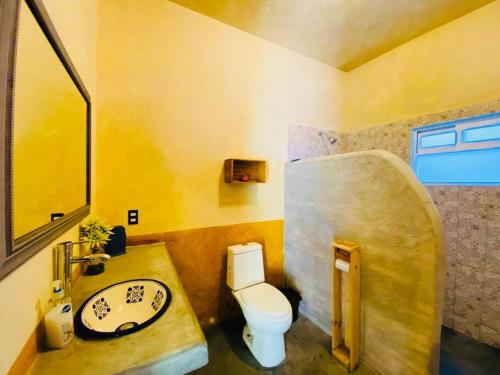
(461,355)
(308,353)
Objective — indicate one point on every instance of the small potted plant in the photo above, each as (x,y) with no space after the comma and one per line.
(96,233)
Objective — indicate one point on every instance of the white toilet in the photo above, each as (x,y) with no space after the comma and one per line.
(267,311)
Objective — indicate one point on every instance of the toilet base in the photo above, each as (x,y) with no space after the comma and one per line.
(268,349)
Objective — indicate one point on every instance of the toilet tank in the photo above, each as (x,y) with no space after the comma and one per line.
(245,266)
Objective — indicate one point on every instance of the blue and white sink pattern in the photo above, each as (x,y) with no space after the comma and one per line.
(122,308)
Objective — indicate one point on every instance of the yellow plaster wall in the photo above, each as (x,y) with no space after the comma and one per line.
(179,92)
(452,66)
(26,290)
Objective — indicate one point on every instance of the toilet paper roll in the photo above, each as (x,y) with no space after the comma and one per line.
(342,265)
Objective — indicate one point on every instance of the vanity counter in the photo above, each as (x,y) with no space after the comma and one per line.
(174,344)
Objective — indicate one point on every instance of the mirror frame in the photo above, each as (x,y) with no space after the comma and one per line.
(14,252)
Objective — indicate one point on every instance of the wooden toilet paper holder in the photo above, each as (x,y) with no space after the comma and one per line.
(346,259)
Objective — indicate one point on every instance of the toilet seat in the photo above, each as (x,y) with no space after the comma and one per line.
(266,301)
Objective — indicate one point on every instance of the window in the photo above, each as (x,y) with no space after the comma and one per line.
(462,152)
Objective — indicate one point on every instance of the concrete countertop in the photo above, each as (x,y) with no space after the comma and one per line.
(174,344)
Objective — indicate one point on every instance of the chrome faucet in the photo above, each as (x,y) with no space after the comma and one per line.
(64,260)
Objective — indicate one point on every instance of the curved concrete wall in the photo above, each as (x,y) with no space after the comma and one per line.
(371,198)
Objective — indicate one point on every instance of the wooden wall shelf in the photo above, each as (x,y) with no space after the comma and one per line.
(245,171)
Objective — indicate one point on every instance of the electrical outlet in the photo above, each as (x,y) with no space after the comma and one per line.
(133,217)
(56,215)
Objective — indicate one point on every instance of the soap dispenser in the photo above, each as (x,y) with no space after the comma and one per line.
(59,320)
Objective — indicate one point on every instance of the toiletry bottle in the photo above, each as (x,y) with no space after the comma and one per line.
(59,320)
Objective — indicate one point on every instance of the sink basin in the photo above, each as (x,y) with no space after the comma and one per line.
(122,308)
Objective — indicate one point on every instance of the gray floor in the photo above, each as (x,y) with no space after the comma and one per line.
(308,353)
(461,355)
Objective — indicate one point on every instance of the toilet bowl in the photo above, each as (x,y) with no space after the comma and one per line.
(267,311)
(269,315)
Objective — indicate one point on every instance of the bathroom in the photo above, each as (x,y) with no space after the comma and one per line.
(201,125)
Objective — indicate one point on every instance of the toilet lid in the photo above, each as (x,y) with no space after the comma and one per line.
(267,300)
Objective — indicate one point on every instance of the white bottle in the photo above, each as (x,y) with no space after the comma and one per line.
(59,320)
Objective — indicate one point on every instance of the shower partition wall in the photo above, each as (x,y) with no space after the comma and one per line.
(371,198)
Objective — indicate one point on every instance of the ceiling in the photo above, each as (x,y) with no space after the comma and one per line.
(342,33)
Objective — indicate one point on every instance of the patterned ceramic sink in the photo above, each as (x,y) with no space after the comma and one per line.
(122,308)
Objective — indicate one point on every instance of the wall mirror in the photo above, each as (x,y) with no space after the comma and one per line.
(45,129)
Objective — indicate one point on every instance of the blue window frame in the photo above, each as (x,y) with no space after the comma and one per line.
(462,152)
